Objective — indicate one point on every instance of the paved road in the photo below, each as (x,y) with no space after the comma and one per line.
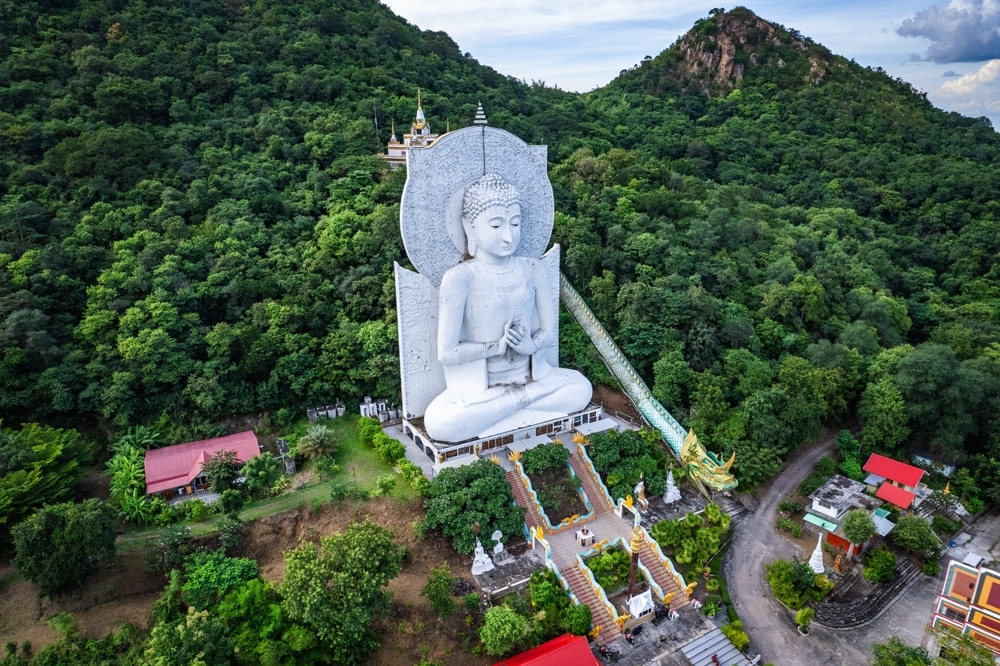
(770,626)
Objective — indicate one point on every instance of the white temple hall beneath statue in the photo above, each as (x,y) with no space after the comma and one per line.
(478,321)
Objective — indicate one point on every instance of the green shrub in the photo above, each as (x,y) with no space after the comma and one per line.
(826,466)
(944,527)
(712,585)
(545,458)
(811,483)
(734,632)
(880,565)
(930,568)
(577,620)
(789,507)
(367,429)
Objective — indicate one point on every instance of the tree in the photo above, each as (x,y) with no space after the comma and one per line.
(261,472)
(39,465)
(211,575)
(914,534)
(338,591)
(461,498)
(894,652)
(858,526)
(503,630)
(222,470)
(58,547)
(438,590)
(319,440)
(200,638)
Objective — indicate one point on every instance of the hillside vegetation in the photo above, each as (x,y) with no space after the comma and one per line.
(194,223)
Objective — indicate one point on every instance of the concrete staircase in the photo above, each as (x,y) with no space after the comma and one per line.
(651,560)
(586,595)
(597,496)
(860,611)
(531,514)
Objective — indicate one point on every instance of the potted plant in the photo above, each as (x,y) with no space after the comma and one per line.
(802,618)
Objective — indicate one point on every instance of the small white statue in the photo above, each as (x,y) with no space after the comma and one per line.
(482,562)
(670,493)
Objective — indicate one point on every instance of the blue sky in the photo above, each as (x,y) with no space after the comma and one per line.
(950,50)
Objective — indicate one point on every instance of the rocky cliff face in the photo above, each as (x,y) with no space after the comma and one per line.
(716,55)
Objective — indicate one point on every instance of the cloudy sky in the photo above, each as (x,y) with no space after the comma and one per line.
(950,50)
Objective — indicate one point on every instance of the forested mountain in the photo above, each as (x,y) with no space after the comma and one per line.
(194,222)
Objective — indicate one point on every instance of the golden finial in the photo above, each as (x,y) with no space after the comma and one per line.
(636,544)
(947,488)
(514,456)
(495,460)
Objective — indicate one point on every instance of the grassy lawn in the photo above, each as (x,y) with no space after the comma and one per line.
(359,468)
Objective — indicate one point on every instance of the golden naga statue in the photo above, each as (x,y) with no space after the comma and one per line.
(704,468)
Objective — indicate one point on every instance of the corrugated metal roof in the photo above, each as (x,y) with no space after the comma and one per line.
(560,651)
(699,651)
(900,472)
(896,495)
(175,466)
(820,522)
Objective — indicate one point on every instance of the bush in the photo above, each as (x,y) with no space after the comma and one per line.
(930,568)
(826,466)
(384,485)
(388,449)
(944,527)
(414,476)
(880,565)
(545,458)
(231,501)
(789,507)
(367,429)
(811,483)
(712,584)
(438,591)
(196,510)
(577,620)
(231,533)
(734,632)
(852,470)
(789,525)
(804,616)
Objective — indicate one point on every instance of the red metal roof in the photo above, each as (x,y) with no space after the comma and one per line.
(562,651)
(900,472)
(895,495)
(176,466)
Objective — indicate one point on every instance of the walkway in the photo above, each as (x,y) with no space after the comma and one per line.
(606,525)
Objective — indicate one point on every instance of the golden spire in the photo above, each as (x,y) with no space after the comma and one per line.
(419,121)
(636,543)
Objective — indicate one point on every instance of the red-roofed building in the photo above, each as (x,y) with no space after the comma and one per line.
(176,470)
(900,474)
(566,649)
(895,495)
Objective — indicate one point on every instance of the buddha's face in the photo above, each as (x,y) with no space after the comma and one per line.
(496,231)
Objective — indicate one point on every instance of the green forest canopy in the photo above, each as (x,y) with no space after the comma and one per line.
(194,223)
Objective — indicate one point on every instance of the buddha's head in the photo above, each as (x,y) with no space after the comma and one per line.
(491,217)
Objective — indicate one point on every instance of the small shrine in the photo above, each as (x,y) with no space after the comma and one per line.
(419,136)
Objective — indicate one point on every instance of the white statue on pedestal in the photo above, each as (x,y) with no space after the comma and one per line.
(477,214)
(671,493)
(482,562)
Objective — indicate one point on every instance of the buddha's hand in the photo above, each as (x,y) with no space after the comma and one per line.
(517,337)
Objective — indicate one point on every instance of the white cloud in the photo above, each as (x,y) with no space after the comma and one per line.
(963,31)
(974,83)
